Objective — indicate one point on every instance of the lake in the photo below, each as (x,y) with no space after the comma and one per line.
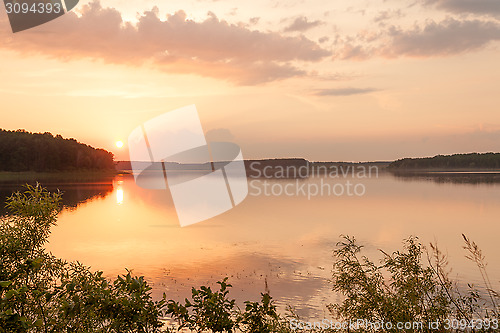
(280,240)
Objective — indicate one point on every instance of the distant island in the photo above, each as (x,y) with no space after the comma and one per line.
(272,168)
(22,151)
(456,162)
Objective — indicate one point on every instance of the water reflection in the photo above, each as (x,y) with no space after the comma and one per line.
(74,194)
(119,195)
(485,177)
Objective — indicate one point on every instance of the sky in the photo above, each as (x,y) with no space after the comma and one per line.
(324,80)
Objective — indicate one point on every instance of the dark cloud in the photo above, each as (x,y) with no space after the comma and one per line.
(344,91)
(445,38)
(213,47)
(301,23)
(482,7)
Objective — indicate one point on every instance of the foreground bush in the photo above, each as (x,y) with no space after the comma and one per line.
(213,311)
(411,286)
(40,293)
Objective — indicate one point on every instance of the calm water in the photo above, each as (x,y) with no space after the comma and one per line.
(282,241)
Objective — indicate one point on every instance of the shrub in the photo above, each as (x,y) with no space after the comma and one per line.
(208,310)
(213,311)
(41,293)
(406,289)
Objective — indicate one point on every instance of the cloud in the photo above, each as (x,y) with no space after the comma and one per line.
(344,91)
(444,38)
(302,24)
(323,39)
(387,15)
(213,47)
(254,20)
(482,7)
(350,51)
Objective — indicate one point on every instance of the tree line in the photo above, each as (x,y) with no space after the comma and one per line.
(447,162)
(24,151)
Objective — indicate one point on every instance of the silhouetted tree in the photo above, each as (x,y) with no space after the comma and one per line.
(25,151)
(457,161)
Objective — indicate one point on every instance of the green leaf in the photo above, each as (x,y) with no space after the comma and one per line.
(5,284)
(10,294)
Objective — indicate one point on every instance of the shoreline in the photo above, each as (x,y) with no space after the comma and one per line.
(78,175)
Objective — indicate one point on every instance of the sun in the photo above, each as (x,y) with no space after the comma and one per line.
(119,144)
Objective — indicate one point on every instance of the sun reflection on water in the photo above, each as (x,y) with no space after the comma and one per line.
(119,196)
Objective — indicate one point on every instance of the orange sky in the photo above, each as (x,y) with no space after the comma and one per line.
(325,80)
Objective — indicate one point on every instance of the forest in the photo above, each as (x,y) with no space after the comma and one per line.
(40,152)
(450,162)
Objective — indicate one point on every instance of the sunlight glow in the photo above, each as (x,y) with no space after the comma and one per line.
(119,196)
(119,144)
